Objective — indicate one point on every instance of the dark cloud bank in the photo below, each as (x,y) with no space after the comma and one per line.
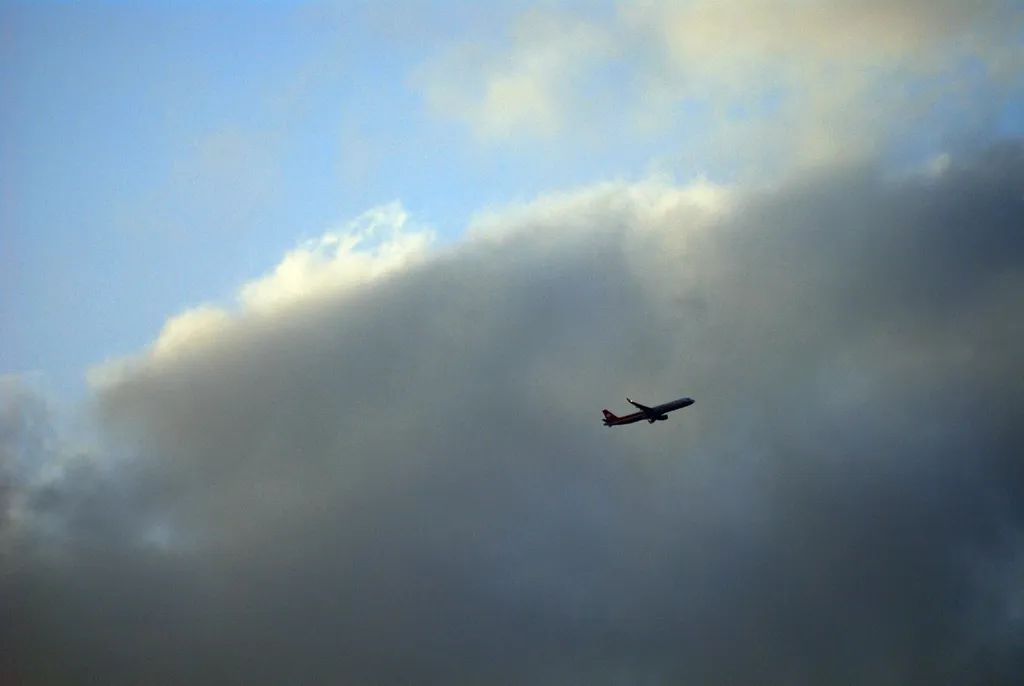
(411,484)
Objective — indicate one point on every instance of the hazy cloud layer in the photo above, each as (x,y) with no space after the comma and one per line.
(769,84)
(526,86)
(405,479)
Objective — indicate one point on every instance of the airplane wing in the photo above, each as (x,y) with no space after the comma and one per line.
(639,406)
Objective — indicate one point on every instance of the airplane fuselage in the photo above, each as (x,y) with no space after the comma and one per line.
(658,413)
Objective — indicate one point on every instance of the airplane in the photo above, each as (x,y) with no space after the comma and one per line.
(658,413)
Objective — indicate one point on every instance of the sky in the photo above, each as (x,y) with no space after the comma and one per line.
(309,312)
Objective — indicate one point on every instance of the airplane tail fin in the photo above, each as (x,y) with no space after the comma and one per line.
(608,417)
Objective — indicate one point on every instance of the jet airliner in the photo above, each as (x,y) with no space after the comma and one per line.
(658,413)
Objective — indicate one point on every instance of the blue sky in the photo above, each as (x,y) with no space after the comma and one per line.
(157,156)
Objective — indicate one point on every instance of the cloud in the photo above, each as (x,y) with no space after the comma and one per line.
(368,248)
(341,259)
(407,481)
(833,80)
(754,35)
(526,87)
(759,86)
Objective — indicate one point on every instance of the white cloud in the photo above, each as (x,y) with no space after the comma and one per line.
(379,242)
(646,203)
(784,83)
(819,81)
(526,88)
(751,37)
(373,245)
(190,329)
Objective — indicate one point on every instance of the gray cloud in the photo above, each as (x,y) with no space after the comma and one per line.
(408,481)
